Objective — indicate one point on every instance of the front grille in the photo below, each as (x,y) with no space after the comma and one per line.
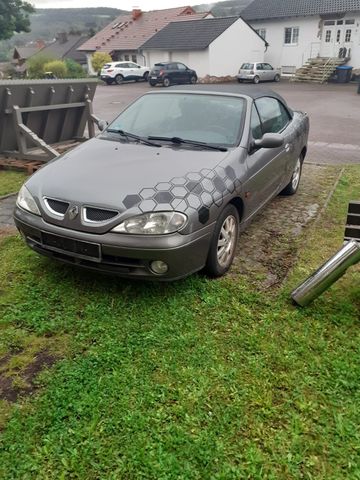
(57,206)
(92,214)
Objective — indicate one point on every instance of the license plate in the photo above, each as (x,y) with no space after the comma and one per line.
(153,78)
(77,247)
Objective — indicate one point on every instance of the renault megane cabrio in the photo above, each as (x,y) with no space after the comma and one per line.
(165,189)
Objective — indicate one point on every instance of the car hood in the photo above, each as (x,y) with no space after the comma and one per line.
(120,175)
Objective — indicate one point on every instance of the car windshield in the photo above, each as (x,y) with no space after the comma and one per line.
(247,66)
(213,119)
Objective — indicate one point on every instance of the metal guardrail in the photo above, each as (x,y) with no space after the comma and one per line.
(337,265)
(37,113)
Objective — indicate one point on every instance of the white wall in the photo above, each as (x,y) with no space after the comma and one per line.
(197,59)
(280,55)
(238,44)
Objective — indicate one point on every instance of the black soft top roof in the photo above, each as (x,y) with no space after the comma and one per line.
(252,91)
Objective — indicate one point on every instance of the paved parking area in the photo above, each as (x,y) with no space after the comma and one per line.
(334,111)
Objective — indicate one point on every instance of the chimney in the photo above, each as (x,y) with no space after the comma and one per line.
(40,44)
(62,37)
(136,13)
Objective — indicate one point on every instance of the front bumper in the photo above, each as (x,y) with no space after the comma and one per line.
(124,255)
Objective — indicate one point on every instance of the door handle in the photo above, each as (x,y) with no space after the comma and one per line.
(288,147)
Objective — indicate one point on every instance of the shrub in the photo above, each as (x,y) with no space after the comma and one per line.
(57,67)
(74,69)
(36,65)
(99,59)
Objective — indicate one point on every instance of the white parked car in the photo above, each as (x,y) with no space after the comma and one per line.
(258,72)
(120,71)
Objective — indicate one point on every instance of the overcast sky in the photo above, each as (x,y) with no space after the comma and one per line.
(122,4)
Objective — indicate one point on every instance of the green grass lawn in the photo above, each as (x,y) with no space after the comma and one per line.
(10,182)
(196,379)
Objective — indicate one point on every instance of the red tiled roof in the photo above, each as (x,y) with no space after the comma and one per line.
(125,33)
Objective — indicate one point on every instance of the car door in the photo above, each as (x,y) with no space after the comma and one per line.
(268,70)
(123,69)
(260,71)
(266,167)
(183,74)
(135,70)
(173,73)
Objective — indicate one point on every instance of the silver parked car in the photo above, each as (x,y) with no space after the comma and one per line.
(258,72)
(165,189)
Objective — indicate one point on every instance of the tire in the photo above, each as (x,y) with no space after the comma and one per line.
(119,79)
(240,80)
(108,82)
(277,78)
(146,76)
(166,82)
(152,83)
(256,79)
(292,187)
(193,80)
(219,261)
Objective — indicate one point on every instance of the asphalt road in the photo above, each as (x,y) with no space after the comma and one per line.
(334,112)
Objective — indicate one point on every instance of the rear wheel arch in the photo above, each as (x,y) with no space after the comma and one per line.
(303,153)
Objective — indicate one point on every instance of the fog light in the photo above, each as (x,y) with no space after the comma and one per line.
(159,267)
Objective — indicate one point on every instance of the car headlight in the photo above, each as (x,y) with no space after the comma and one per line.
(26,201)
(154,223)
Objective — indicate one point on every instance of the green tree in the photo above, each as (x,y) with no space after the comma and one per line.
(57,67)
(35,65)
(14,17)
(74,69)
(99,59)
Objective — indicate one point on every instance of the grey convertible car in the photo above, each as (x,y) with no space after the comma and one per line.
(165,189)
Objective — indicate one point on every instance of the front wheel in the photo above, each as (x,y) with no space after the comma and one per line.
(223,244)
(193,80)
(240,80)
(277,78)
(256,79)
(166,82)
(146,76)
(152,83)
(293,185)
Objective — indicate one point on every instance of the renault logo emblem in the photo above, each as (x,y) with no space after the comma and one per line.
(73,212)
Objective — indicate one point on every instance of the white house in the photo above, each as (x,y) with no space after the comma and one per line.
(303,29)
(212,46)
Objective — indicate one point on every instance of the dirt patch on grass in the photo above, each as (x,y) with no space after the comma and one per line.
(268,248)
(22,382)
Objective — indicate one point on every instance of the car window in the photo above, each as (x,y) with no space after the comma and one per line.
(273,115)
(259,66)
(206,118)
(181,66)
(247,66)
(106,66)
(122,65)
(173,66)
(255,126)
(267,66)
(132,65)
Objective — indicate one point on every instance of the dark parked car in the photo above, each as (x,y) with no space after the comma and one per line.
(165,189)
(168,73)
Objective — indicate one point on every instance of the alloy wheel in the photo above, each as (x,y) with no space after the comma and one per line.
(226,241)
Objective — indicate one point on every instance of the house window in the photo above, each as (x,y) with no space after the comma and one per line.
(134,58)
(291,35)
(329,22)
(261,32)
(126,58)
(348,35)
(350,22)
(328,36)
(338,36)
(340,22)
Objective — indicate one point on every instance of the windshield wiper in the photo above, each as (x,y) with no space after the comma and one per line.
(143,140)
(178,141)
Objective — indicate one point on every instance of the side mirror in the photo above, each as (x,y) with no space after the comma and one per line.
(269,140)
(102,125)
(138,66)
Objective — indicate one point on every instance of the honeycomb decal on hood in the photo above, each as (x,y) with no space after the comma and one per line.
(195,192)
